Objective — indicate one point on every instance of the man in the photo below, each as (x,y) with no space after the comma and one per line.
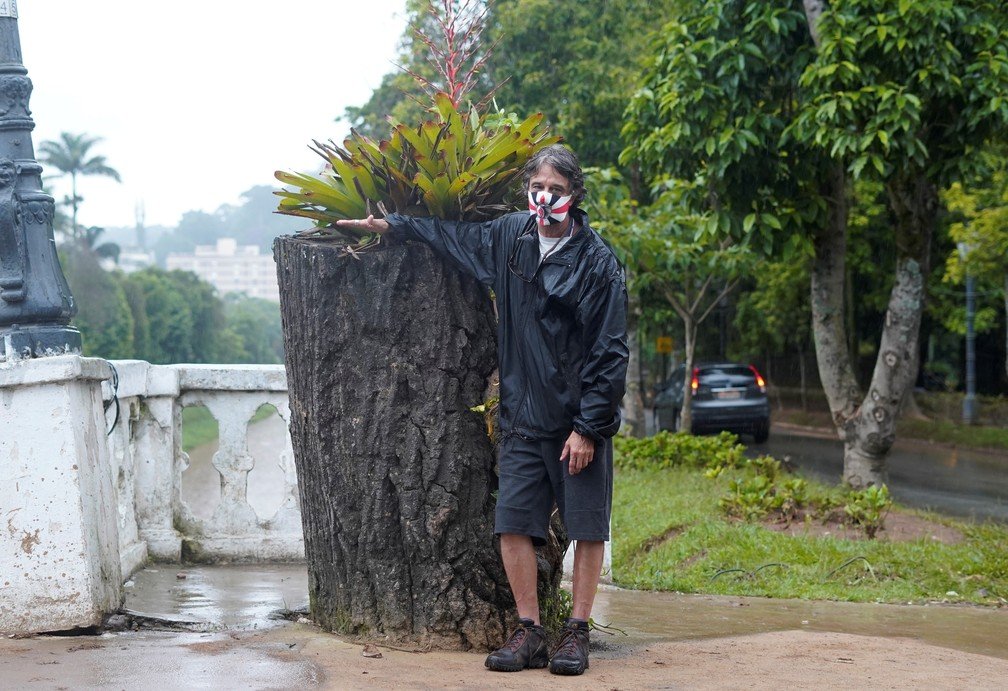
(562,351)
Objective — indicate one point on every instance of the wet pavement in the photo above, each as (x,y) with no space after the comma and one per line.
(967,483)
(235,597)
(216,626)
(237,644)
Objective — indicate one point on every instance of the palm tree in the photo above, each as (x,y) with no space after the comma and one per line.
(70,156)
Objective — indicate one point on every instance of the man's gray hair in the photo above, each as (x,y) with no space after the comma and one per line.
(564,161)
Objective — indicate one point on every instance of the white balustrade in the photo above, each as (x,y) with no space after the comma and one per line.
(148,463)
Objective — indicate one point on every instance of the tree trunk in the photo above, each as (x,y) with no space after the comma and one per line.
(385,357)
(828,277)
(633,403)
(804,379)
(914,203)
(1006,324)
(686,414)
(813,10)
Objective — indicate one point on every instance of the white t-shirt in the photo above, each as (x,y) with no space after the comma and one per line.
(550,245)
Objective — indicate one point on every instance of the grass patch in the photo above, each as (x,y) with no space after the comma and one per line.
(673,536)
(199,426)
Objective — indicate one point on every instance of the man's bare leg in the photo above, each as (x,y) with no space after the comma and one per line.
(519,559)
(588,556)
(526,647)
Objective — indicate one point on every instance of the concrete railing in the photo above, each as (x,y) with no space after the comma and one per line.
(156,518)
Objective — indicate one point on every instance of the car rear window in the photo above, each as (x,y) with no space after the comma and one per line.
(726,370)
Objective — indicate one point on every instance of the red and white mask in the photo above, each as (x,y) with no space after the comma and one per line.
(548,208)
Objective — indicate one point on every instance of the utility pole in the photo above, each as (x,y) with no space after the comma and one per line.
(35,301)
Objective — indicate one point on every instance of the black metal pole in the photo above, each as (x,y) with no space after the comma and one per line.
(35,301)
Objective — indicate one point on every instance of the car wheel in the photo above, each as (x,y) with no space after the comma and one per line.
(761,431)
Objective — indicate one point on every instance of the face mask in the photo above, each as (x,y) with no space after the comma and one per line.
(548,208)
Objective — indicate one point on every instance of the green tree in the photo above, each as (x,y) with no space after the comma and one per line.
(578,63)
(673,255)
(773,111)
(167,314)
(706,127)
(983,233)
(71,155)
(103,316)
(256,323)
(774,315)
(903,93)
(210,339)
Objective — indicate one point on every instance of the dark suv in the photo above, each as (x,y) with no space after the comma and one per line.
(726,396)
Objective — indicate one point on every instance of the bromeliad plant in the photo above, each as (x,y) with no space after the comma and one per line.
(459,164)
(454,165)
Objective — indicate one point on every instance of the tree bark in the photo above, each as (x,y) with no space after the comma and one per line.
(633,403)
(872,431)
(1006,324)
(814,10)
(804,379)
(385,355)
(686,414)
(828,277)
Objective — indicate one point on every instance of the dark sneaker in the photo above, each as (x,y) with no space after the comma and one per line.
(526,648)
(571,653)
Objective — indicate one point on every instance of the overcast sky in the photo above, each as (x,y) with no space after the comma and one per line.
(199,100)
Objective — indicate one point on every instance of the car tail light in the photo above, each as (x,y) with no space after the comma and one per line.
(695,382)
(760,382)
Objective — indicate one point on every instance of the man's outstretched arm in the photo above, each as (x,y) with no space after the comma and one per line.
(473,247)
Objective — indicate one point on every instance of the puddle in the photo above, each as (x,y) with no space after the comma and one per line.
(222,597)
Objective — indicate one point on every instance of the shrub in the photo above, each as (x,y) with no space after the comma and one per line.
(667,450)
(867,508)
(750,498)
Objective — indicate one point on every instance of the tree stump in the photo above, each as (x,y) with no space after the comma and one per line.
(386,354)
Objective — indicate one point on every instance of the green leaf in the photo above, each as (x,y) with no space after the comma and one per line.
(771,220)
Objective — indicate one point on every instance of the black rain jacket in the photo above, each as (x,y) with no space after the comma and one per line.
(562,343)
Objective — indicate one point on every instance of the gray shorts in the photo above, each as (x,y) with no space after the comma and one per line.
(533,479)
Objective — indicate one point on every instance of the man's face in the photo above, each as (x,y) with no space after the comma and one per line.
(549,198)
(549,180)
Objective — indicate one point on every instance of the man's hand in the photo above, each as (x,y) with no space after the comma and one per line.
(578,451)
(371,224)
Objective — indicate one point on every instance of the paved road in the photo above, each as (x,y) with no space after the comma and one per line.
(957,482)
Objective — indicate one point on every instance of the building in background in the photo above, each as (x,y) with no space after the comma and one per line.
(132,259)
(231,268)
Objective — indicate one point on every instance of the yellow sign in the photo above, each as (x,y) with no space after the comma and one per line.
(663,344)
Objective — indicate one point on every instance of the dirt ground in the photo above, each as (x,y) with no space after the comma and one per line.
(899,526)
(299,655)
(783,659)
(666,640)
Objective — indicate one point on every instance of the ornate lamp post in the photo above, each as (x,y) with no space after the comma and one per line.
(35,301)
